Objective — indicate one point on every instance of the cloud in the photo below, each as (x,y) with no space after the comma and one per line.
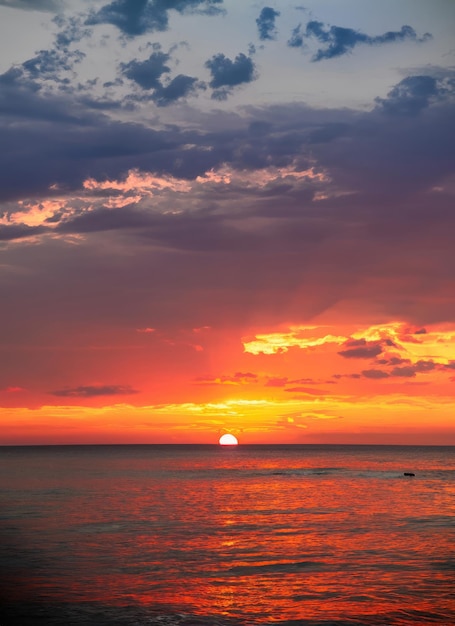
(137,17)
(93,391)
(292,421)
(416,368)
(56,63)
(239,378)
(266,23)
(275,343)
(296,39)
(407,369)
(338,41)
(375,374)
(227,74)
(306,390)
(179,87)
(33,5)
(361,349)
(270,192)
(12,232)
(147,73)
(49,64)
(276,381)
(415,93)
(66,141)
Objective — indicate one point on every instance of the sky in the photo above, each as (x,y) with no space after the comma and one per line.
(224,216)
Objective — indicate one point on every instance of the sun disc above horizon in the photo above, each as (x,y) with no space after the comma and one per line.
(228,440)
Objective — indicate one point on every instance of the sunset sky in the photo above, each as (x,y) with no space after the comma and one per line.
(223,216)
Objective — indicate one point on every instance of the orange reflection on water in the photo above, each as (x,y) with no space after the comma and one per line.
(246,537)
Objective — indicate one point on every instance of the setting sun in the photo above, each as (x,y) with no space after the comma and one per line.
(228,440)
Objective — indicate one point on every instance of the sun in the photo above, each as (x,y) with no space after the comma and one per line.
(228,440)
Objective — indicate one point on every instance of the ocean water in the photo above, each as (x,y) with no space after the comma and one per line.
(227,536)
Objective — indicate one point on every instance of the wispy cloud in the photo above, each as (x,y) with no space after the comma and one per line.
(273,343)
(338,41)
(94,391)
(33,5)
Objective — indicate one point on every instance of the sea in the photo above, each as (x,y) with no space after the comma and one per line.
(209,535)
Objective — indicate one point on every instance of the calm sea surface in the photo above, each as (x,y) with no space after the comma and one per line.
(205,535)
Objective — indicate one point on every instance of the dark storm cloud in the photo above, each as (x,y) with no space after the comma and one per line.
(338,41)
(413,94)
(147,73)
(227,74)
(361,349)
(33,5)
(266,23)
(136,17)
(93,391)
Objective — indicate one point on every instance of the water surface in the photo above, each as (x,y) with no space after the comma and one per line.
(227,535)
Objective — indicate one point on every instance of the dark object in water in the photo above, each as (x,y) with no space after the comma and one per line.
(409,474)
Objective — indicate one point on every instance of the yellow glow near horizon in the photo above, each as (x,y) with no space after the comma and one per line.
(273,343)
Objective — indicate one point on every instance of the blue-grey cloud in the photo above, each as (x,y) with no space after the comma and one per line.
(33,5)
(179,87)
(227,74)
(338,41)
(147,73)
(51,64)
(296,38)
(48,64)
(21,97)
(71,30)
(415,93)
(136,17)
(93,391)
(266,23)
